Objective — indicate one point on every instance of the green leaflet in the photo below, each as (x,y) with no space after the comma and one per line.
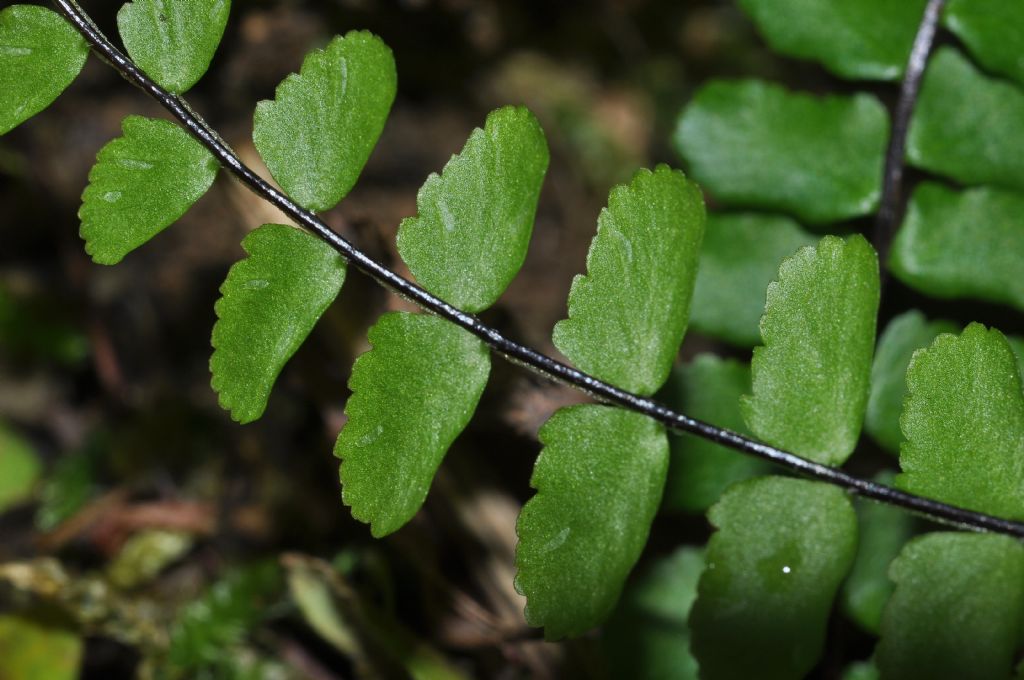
(739,258)
(173,41)
(956,612)
(861,670)
(19,469)
(316,136)
(599,480)
(773,567)
(906,333)
(752,143)
(269,303)
(982,143)
(647,636)
(412,394)
(475,218)
(37,647)
(866,39)
(884,530)
(708,388)
(810,378)
(40,54)
(993,31)
(962,244)
(964,424)
(142,183)
(628,314)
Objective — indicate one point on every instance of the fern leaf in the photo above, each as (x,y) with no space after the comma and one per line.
(475,218)
(956,244)
(740,257)
(957,609)
(864,40)
(173,41)
(316,136)
(810,379)
(978,144)
(269,303)
(904,335)
(755,144)
(628,314)
(142,183)
(964,424)
(781,550)
(40,54)
(599,481)
(412,394)
(993,31)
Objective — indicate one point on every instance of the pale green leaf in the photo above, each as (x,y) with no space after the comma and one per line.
(966,125)
(862,39)
(740,257)
(475,218)
(906,333)
(647,635)
(708,388)
(810,379)
(316,136)
(993,31)
(628,314)
(773,567)
(412,394)
(40,54)
(173,41)
(964,424)
(38,648)
(756,144)
(145,554)
(269,303)
(599,480)
(884,530)
(142,183)
(861,670)
(19,468)
(957,609)
(957,244)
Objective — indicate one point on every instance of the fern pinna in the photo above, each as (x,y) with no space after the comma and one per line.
(949,404)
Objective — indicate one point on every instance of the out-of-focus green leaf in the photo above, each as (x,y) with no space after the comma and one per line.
(905,333)
(40,54)
(811,376)
(647,635)
(68,487)
(32,649)
(962,244)
(772,569)
(993,31)
(884,530)
(964,424)
(755,144)
(316,136)
(269,304)
(861,670)
(19,468)
(628,314)
(412,394)
(206,628)
(708,388)
(957,609)
(142,183)
(966,125)
(740,257)
(145,555)
(475,218)
(599,480)
(865,39)
(173,41)
(37,329)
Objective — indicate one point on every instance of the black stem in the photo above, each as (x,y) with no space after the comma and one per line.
(890,210)
(511,350)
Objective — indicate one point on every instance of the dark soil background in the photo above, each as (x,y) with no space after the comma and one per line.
(104,370)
